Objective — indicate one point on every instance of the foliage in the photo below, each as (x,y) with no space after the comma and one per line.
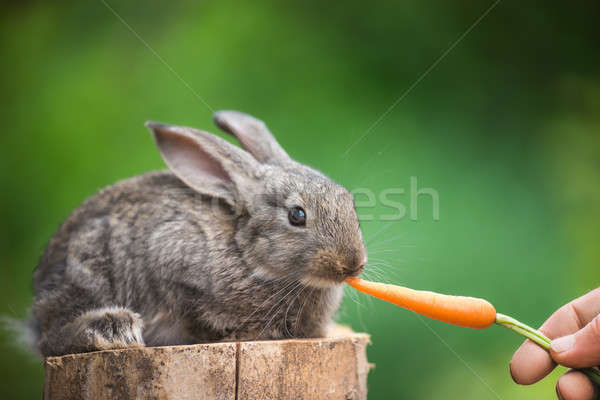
(505,128)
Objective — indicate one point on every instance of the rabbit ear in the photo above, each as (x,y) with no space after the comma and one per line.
(254,136)
(205,162)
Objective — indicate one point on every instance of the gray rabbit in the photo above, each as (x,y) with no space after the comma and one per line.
(227,245)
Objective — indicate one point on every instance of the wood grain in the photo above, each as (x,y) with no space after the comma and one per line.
(335,367)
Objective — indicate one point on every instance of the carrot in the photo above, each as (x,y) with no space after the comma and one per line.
(469,312)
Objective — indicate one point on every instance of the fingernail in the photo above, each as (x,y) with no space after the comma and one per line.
(562,344)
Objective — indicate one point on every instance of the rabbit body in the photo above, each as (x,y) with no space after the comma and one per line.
(204,252)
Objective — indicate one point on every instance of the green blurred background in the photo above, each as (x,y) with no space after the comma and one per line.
(505,127)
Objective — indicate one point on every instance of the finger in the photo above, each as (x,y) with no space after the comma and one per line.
(573,316)
(575,385)
(579,350)
(530,363)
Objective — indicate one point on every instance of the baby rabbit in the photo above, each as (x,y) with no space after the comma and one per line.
(227,245)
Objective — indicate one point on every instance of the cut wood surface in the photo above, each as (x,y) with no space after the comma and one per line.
(335,367)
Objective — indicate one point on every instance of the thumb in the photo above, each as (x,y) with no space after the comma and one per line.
(580,349)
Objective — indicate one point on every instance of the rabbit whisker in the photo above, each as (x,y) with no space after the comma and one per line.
(373,274)
(308,297)
(386,251)
(287,285)
(352,295)
(382,229)
(390,239)
(378,276)
(380,246)
(287,331)
(386,263)
(279,303)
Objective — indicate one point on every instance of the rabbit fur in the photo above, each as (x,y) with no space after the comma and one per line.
(201,252)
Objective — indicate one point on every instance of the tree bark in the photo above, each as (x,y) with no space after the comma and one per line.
(335,367)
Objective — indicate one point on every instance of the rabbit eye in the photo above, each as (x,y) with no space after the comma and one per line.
(297,216)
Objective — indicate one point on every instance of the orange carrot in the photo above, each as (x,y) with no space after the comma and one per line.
(469,312)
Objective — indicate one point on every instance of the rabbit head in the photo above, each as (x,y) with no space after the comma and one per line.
(288,219)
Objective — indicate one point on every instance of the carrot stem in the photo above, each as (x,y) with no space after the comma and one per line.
(540,339)
(525,330)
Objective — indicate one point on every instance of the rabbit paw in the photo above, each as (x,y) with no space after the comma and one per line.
(111,328)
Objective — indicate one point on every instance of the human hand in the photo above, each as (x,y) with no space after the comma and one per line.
(575,332)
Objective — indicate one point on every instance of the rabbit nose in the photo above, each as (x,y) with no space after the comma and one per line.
(356,264)
(363,261)
(361,258)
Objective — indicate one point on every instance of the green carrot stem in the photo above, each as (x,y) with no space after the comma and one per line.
(540,339)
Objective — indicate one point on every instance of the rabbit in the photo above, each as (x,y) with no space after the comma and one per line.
(227,244)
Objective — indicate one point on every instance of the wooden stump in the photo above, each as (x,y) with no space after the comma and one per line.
(335,367)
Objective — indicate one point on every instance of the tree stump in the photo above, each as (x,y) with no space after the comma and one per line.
(335,367)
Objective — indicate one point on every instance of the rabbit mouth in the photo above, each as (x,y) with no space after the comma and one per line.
(327,270)
(324,281)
